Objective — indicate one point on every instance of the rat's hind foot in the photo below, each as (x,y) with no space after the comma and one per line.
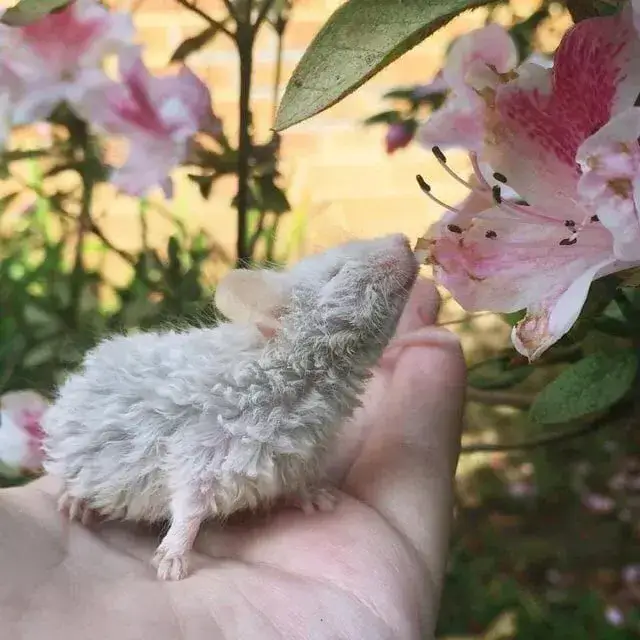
(324,500)
(171,556)
(75,509)
(170,567)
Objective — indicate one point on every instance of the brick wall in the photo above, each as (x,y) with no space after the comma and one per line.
(337,171)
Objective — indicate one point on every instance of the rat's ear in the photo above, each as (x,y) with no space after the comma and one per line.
(245,295)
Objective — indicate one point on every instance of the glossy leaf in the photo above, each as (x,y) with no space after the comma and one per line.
(497,374)
(360,39)
(28,11)
(195,43)
(593,384)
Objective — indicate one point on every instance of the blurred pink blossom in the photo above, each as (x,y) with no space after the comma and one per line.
(598,503)
(399,135)
(614,616)
(20,431)
(631,573)
(60,57)
(158,116)
(521,489)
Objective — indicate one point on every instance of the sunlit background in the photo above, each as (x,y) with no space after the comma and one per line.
(546,538)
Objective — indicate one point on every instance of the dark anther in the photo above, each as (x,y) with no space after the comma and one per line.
(497,196)
(423,185)
(522,203)
(637,102)
(491,234)
(595,219)
(569,223)
(437,152)
(454,228)
(500,177)
(568,242)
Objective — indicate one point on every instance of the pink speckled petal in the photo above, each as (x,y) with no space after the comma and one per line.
(458,123)
(552,317)
(472,55)
(610,162)
(542,118)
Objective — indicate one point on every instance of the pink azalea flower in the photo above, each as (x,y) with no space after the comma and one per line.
(565,140)
(158,116)
(561,135)
(399,135)
(59,58)
(20,431)
(469,68)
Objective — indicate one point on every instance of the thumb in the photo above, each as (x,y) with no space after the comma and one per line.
(421,309)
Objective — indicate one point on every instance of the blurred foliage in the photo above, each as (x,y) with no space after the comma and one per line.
(54,307)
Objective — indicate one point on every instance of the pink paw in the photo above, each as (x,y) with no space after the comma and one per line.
(76,509)
(170,567)
(324,500)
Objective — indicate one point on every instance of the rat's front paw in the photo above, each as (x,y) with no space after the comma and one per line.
(76,509)
(170,566)
(324,499)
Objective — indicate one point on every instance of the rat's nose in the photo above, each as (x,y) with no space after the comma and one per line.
(401,239)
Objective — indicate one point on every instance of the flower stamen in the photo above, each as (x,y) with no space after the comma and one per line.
(442,159)
(426,189)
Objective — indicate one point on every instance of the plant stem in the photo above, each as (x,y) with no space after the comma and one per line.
(205,16)
(244,42)
(497,397)
(621,412)
(278,72)
(262,13)
(84,224)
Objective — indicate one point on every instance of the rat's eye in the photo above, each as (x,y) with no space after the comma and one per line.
(333,272)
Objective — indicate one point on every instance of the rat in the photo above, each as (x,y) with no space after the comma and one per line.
(189,425)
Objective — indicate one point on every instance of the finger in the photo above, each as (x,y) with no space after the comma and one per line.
(407,464)
(421,308)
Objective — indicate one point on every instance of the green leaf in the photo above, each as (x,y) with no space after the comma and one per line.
(384,117)
(204,183)
(272,197)
(360,39)
(497,374)
(40,355)
(514,317)
(28,11)
(195,43)
(593,384)
(612,326)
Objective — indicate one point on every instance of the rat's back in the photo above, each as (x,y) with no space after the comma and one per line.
(107,432)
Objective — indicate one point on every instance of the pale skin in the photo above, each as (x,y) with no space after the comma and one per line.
(371,568)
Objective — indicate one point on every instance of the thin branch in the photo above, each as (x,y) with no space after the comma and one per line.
(257,233)
(262,13)
(230,8)
(498,397)
(278,76)
(534,444)
(125,255)
(467,318)
(191,6)
(244,43)
(624,410)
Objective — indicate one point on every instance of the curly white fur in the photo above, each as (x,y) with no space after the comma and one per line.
(204,422)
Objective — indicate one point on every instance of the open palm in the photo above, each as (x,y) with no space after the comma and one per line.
(371,569)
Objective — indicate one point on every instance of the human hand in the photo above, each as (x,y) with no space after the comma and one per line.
(372,569)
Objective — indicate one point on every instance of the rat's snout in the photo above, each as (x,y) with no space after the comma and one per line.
(397,257)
